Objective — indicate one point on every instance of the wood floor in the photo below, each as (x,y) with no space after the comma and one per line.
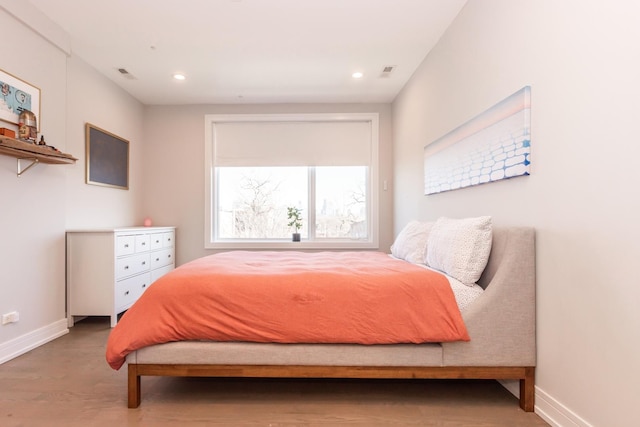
(68,383)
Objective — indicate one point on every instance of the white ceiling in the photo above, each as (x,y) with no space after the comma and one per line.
(254,51)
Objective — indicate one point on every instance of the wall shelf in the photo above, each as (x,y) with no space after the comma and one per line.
(32,152)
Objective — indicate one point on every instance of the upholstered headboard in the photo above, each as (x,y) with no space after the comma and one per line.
(512,248)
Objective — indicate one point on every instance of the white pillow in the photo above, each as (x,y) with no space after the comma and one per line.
(460,247)
(411,243)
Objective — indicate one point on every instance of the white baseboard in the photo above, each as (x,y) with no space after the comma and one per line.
(18,346)
(548,408)
(555,413)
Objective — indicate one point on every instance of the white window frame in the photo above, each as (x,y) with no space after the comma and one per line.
(210,176)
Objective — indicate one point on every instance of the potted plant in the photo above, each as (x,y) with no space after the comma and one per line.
(295,220)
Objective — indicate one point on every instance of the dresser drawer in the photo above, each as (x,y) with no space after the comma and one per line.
(129,290)
(143,241)
(125,245)
(159,272)
(161,258)
(167,239)
(131,265)
(157,240)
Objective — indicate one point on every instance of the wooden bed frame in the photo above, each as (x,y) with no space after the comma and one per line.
(524,374)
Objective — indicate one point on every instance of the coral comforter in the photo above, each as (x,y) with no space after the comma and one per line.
(292,297)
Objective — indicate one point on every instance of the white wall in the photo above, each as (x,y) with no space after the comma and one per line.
(174,166)
(94,99)
(582,60)
(32,211)
(37,208)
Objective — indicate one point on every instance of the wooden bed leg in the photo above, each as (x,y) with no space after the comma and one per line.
(133,387)
(527,390)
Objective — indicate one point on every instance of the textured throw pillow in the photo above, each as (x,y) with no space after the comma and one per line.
(460,247)
(411,243)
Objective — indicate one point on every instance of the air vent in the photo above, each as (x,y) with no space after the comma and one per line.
(386,71)
(126,74)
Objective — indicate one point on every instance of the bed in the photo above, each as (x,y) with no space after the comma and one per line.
(491,337)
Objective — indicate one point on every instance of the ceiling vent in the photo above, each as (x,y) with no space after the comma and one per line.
(126,74)
(386,71)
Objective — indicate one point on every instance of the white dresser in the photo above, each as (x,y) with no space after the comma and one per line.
(108,270)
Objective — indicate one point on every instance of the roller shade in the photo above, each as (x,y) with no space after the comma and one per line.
(324,143)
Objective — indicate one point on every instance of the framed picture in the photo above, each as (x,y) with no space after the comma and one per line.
(493,146)
(16,95)
(107,161)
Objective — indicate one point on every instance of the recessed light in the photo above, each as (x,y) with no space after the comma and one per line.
(357,75)
(179,76)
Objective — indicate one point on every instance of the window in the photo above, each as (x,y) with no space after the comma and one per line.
(257,166)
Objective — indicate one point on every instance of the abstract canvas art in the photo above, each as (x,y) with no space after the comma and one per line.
(492,146)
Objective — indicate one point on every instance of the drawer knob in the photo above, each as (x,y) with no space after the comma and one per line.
(144,285)
(126,293)
(157,259)
(169,255)
(126,245)
(144,243)
(144,262)
(126,267)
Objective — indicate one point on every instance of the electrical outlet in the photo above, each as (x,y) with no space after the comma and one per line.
(12,317)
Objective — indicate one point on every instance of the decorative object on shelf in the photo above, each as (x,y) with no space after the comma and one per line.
(295,220)
(42,141)
(7,132)
(107,162)
(28,126)
(147,222)
(16,96)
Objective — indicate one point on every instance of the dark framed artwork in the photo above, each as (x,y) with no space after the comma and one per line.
(107,161)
